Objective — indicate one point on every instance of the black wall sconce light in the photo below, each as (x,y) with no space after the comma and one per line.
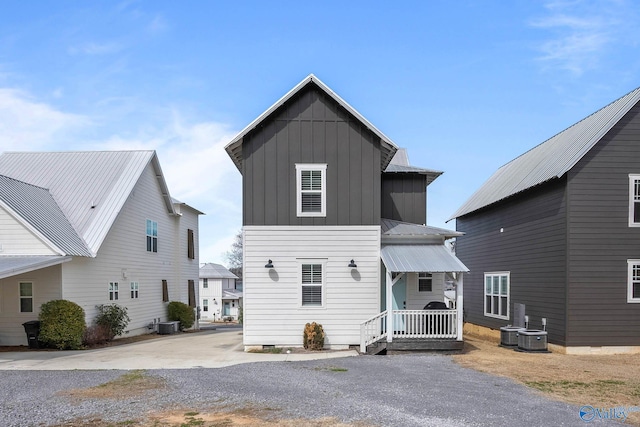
(269,264)
(352,264)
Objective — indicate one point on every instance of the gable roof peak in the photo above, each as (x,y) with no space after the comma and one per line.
(234,147)
(550,159)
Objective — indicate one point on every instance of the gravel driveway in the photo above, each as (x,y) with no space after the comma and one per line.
(395,390)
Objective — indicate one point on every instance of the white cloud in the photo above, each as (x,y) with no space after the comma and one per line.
(26,124)
(579,33)
(92,48)
(198,172)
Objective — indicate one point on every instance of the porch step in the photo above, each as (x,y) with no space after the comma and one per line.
(404,344)
(377,348)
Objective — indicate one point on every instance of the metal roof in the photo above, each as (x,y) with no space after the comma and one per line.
(215,271)
(234,148)
(35,206)
(551,159)
(90,187)
(231,295)
(420,258)
(400,164)
(13,265)
(391,227)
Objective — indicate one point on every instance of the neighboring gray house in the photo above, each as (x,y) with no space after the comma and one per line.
(333,231)
(220,298)
(93,228)
(558,229)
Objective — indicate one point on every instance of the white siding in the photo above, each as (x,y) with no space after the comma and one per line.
(46,287)
(417,300)
(123,258)
(273,314)
(16,239)
(214,291)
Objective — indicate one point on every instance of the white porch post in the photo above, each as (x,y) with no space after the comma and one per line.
(389,283)
(459,307)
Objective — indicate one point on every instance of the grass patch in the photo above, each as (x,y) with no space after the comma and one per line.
(331,369)
(133,383)
(268,350)
(598,388)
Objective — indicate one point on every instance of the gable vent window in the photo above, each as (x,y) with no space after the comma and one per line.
(634,200)
(311,189)
(312,285)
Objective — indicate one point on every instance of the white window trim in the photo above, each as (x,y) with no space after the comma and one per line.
(114,294)
(134,287)
(630,264)
(205,304)
(20,298)
(312,167)
(632,179)
(430,277)
(151,235)
(323,287)
(484,293)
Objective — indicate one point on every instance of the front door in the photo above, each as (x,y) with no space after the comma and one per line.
(226,309)
(400,301)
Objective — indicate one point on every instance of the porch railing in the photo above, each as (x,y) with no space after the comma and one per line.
(373,330)
(425,323)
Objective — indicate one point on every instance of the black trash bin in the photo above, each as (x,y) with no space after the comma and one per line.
(32,328)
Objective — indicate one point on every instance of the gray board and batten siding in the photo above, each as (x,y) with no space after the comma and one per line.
(531,246)
(404,197)
(586,302)
(601,241)
(311,127)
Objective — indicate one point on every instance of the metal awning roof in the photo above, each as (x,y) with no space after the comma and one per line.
(231,295)
(421,258)
(14,265)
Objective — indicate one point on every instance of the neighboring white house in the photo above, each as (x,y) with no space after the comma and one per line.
(219,296)
(93,228)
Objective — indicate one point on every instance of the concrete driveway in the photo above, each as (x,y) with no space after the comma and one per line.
(206,349)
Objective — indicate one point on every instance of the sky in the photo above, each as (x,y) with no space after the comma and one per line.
(464,86)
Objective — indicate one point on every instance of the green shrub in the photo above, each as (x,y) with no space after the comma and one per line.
(62,324)
(113,317)
(313,337)
(181,312)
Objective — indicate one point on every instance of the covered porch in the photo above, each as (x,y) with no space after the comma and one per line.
(422,304)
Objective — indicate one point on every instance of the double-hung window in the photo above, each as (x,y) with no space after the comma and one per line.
(205,283)
(496,295)
(311,182)
(152,236)
(113,291)
(26,297)
(633,280)
(634,200)
(205,305)
(312,283)
(135,287)
(425,282)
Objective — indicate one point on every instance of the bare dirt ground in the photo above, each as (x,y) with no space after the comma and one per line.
(601,381)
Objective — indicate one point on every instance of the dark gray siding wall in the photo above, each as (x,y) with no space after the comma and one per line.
(404,197)
(600,240)
(532,248)
(311,128)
